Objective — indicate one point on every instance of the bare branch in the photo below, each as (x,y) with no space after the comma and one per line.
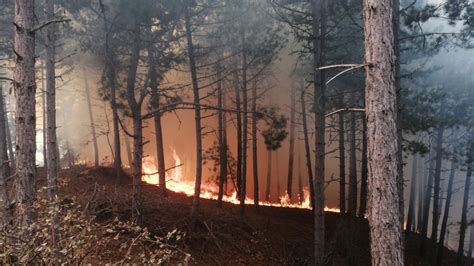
(45,24)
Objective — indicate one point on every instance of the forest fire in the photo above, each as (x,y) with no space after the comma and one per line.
(176,183)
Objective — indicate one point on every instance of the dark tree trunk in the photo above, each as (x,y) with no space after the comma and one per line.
(291,158)
(342,160)
(126,140)
(25,120)
(135,107)
(307,147)
(256,192)
(197,115)
(444,223)
(471,242)
(319,30)
(300,181)
(111,73)
(426,204)
(382,138)
(421,187)
(222,137)
(465,207)
(238,109)
(155,99)
(243,186)
(364,172)
(352,205)
(51,137)
(411,204)
(437,181)
(91,119)
(269,176)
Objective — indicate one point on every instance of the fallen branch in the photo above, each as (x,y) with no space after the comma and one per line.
(45,24)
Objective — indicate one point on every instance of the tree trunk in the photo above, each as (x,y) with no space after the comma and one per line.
(11,154)
(222,137)
(319,30)
(238,106)
(307,147)
(135,108)
(155,99)
(25,120)
(4,214)
(45,124)
(112,78)
(471,242)
(364,172)
(52,157)
(243,186)
(342,160)
(421,187)
(269,176)
(256,192)
(352,205)
(437,181)
(291,158)
(465,207)
(444,223)
(197,115)
(126,139)
(300,181)
(91,119)
(411,204)
(382,138)
(426,204)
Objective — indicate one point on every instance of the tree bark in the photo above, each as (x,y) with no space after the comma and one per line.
(291,156)
(465,207)
(222,137)
(421,187)
(307,147)
(25,119)
(126,140)
(444,224)
(11,154)
(269,176)
(256,192)
(4,214)
(352,205)
(342,160)
(135,108)
(411,204)
(382,137)
(437,181)
(51,103)
(238,108)
(91,120)
(112,78)
(197,115)
(155,98)
(319,30)
(45,124)
(364,172)
(243,186)
(426,204)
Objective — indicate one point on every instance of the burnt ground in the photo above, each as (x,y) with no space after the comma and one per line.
(267,236)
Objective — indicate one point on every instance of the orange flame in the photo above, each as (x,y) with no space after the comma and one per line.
(175,182)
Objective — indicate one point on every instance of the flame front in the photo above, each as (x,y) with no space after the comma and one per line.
(175,182)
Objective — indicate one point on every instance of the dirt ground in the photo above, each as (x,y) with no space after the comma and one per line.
(267,236)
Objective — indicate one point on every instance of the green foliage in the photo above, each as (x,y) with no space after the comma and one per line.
(275,133)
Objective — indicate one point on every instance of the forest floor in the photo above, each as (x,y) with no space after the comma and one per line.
(269,236)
